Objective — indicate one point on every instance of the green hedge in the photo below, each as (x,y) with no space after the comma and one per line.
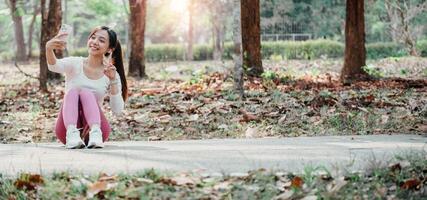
(384,50)
(303,50)
(422,48)
(312,49)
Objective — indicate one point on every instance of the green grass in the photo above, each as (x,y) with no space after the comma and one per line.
(380,180)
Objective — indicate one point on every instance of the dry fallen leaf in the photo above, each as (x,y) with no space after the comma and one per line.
(282,119)
(28,181)
(104,183)
(251,132)
(183,180)
(297,182)
(285,196)
(411,184)
(167,181)
(336,185)
(95,188)
(247,117)
(222,186)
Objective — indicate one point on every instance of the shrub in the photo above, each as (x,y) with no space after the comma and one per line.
(384,50)
(422,48)
(312,49)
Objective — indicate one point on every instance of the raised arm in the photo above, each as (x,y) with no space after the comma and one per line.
(52,44)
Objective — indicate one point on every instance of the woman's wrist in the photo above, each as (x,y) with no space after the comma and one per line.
(114,82)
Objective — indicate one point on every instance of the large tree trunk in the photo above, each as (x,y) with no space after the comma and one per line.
(137,24)
(355,52)
(19,31)
(190,37)
(36,12)
(51,22)
(251,38)
(237,57)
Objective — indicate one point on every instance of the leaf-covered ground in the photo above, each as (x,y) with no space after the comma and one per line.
(403,178)
(195,100)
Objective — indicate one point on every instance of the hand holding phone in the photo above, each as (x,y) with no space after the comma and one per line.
(65,31)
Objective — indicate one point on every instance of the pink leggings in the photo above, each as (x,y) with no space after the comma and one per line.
(80,108)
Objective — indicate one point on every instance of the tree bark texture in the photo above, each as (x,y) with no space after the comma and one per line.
(355,52)
(137,25)
(251,37)
(51,22)
(237,57)
(19,31)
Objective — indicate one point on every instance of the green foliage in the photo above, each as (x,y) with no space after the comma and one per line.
(373,71)
(384,50)
(303,50)
(164,52)
(275,51)
(102,7)
(269,75)
(422,48)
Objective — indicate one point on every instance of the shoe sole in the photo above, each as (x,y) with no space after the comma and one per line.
(80,145)
(95,146)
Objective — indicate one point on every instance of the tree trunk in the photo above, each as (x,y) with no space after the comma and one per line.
(355,52)
(51,21)
(137,24)
(31,30)
(190,37)
(251,38)
(237,57)
(128,33)
(217,25)
(19,31)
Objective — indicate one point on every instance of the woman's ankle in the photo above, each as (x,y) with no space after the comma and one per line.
(95,126)
(71,126)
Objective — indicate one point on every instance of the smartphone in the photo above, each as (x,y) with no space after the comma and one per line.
(65,28)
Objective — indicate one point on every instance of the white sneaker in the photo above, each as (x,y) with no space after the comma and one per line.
(95,138)
(73,139)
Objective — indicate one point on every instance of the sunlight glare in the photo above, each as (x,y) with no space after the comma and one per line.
(179,5)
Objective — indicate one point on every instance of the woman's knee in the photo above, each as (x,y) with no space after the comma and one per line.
(86,93)
(72,92)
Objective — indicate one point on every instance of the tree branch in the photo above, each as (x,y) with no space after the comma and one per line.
(26,74)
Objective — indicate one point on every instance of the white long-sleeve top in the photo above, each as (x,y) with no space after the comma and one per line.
(72,68)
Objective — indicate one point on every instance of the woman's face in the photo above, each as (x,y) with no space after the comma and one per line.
(98,43)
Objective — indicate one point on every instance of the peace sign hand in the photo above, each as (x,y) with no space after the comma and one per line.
(110,69)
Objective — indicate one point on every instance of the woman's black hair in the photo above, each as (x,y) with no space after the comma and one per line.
(117,57)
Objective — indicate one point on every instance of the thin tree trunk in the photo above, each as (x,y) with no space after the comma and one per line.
(137,24)
(251,37)
(217,36)
(19,31)
(190,54)
(400,13)
(43,40)
(237,57)
(128,33)
(355,52)
(31,30)
(51,21)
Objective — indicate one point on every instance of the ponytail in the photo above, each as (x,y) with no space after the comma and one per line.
(118,63)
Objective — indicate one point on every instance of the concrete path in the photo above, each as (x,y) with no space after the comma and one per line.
(209,156)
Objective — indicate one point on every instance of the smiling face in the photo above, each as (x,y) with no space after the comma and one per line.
(98,43)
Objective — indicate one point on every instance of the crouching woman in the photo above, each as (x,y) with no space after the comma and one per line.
(88,80)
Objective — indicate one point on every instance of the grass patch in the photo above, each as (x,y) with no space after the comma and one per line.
(405,177)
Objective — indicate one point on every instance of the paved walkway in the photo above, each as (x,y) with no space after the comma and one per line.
(209,156)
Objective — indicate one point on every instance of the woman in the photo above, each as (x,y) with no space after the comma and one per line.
(87,82)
